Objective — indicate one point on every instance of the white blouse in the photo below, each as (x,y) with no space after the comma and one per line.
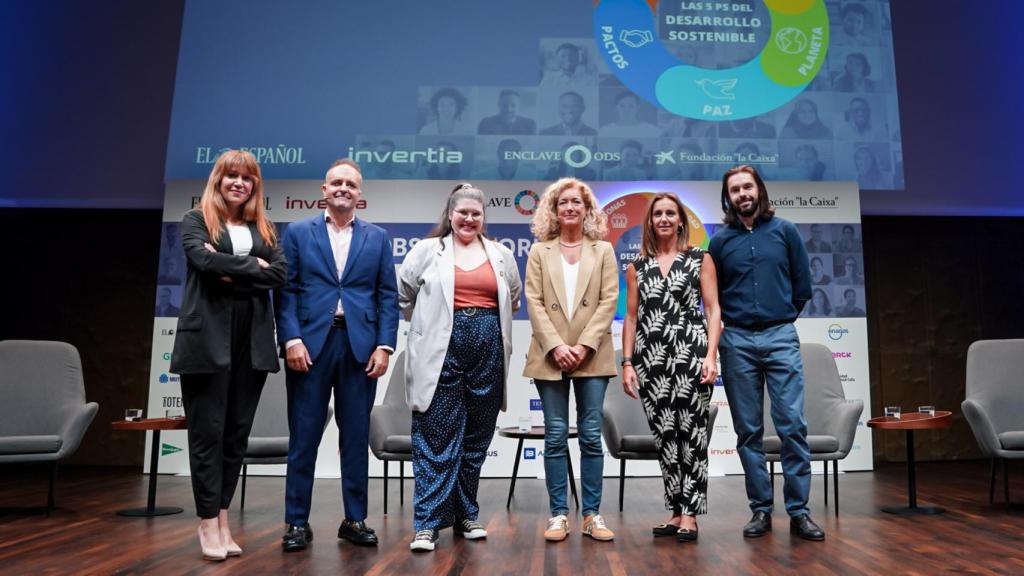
(241,239)
(570,272)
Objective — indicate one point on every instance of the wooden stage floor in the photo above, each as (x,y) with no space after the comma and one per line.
(84,536)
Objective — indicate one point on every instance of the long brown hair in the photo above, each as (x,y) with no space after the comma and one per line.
(765,211)
(215,211)
(649,246)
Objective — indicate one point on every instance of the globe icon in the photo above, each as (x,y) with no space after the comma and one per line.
(791,40)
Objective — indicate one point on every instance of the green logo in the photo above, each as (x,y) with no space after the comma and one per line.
(166,449)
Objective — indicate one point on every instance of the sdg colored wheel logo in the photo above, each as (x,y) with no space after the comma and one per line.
(793,53)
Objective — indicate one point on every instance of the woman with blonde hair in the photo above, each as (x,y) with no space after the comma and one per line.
(571,292)
(669,356)
(224,344)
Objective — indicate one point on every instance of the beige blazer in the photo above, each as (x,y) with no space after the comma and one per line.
(597,293)
(426,296)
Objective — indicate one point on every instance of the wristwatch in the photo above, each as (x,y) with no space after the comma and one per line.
(627,361)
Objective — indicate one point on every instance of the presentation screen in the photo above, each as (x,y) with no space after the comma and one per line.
(614,90)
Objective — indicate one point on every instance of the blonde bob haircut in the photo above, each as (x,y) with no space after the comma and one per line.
(545,222)
(215,211)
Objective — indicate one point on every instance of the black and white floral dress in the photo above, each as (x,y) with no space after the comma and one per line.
(671,343)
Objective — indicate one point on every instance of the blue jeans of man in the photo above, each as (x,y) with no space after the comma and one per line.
(751,360)
(554,394)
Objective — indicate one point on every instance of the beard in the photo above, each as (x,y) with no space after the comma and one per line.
(747,212)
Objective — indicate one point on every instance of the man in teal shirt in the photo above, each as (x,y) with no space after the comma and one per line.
(764,282)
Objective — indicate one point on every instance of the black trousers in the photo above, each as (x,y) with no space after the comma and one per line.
(220,409)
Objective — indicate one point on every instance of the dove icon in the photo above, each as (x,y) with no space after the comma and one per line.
(718,89)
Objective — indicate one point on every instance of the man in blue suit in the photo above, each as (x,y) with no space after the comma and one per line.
(337,319)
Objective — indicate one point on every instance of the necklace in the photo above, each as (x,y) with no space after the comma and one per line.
(564,245)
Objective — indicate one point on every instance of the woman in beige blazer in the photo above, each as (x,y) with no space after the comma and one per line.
(571,292)
(459,291)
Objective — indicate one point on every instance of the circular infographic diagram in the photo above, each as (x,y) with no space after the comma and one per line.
(791,35)
(625,232)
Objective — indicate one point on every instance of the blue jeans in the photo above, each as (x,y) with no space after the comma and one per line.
(554,394)
(752,359)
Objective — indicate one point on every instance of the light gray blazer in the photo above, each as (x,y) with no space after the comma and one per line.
(426,296)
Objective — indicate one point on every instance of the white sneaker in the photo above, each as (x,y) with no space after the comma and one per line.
(423,541)
(470,530)
(595,527)
(558,528)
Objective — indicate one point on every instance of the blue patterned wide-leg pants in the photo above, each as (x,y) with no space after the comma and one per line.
(450,439)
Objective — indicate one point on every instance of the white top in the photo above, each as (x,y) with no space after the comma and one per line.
(340,236)
(570,273)
(241,239)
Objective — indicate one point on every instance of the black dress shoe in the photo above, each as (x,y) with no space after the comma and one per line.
(805,528)
(686,535)
(356,532)
(297,537)
(759,525)
(665,530)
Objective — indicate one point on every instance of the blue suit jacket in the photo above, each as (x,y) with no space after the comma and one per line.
(368,292)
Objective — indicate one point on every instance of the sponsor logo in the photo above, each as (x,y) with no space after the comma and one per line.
(722,451)
(530,453)
(619,220)
(166,449)
(536,405)
(492,453)
(167,332)
(837,331)
(842,354)
(669,157)
(430,155)
(280,154)
(575,156)
(166,378)
(317,203)
(526,202)
(167,355)
(171,402)
(720,403)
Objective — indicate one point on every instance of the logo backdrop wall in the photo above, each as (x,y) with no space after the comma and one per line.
(827,214)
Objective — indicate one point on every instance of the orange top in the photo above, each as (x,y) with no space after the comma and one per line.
(476,288)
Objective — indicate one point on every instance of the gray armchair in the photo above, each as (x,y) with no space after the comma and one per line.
(831,418)
(995,404)
(391,428)
(268,439)
(43,415)
(626,431)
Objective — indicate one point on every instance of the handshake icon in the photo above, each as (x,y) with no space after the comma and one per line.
(636,38)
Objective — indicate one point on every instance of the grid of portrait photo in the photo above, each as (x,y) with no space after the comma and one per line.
(836,255)
(844,126)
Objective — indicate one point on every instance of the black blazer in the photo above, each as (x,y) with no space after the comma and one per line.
(202,344)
